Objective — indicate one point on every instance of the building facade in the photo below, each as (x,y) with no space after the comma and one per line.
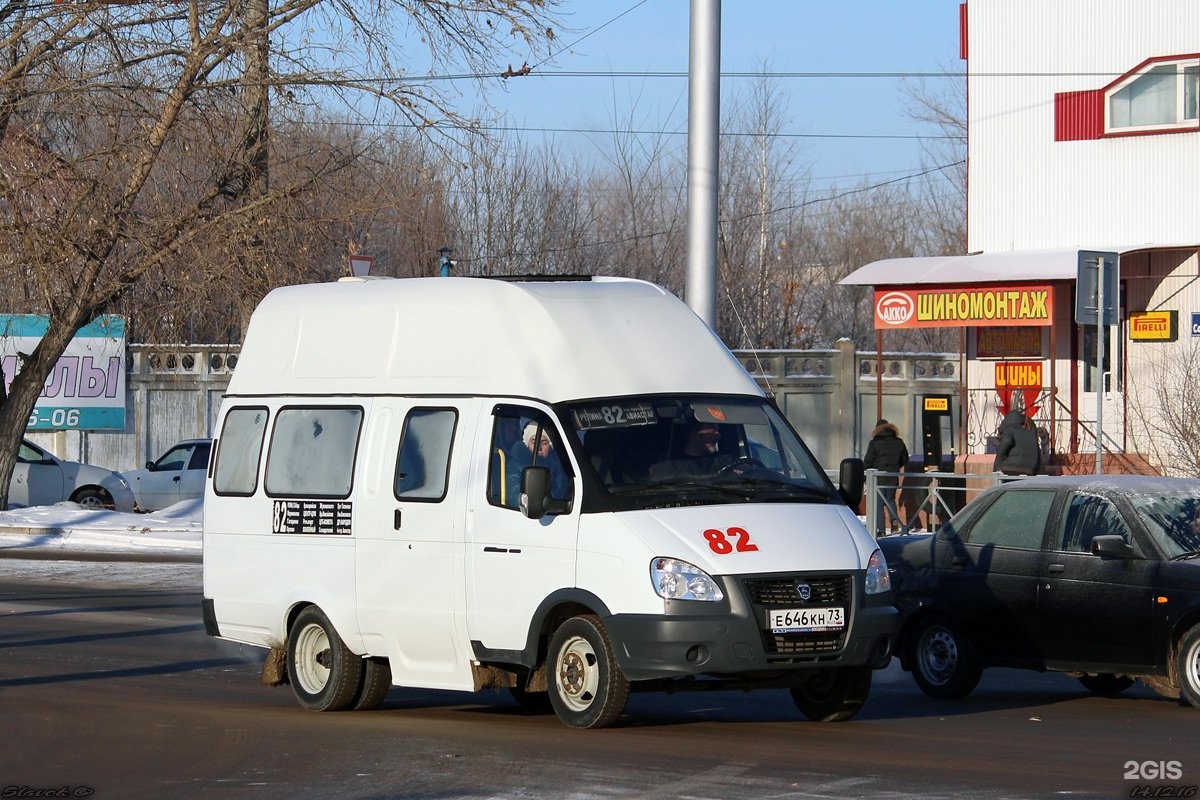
(1083,150)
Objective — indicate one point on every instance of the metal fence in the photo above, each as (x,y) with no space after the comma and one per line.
(924,500)
(832,397)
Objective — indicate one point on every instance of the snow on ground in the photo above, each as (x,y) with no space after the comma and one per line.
(68,528)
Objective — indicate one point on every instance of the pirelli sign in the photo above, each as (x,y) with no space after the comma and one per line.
(1154,326)
(964,306)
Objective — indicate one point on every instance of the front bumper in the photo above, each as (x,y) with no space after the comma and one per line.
(728,639)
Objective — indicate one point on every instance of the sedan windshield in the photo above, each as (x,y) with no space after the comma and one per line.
(654,451)
(1173,521)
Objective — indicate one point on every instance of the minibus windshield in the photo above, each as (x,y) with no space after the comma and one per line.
(655,450)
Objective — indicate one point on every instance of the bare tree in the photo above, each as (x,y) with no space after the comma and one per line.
(127,146)
(940,104)
(1166,411)
(761,230)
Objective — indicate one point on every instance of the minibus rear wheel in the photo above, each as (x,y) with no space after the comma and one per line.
(324,674)
(376,683)
(587,689)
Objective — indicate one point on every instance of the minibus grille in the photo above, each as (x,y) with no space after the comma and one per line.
(781,592)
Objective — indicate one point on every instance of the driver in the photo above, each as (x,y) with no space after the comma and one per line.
(699,456)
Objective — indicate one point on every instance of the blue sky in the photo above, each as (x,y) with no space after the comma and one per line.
(828,117)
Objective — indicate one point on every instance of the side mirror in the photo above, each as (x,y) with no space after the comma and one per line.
(852,476)
(536,501)
(150,466)
(1112,546)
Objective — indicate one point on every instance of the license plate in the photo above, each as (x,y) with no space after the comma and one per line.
(806,620)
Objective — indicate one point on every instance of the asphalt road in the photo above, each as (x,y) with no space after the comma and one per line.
(110,689)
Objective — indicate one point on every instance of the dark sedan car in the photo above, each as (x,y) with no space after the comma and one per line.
(1097,576)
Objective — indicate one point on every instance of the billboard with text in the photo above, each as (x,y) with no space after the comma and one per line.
(86,388)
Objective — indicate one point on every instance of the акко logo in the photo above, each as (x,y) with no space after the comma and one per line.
(895,308)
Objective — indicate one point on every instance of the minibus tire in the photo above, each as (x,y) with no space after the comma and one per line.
(377,682)
(587,689)
(835,694)
(324,674)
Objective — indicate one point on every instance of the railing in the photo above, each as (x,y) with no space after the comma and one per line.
(936,496)
(984,417)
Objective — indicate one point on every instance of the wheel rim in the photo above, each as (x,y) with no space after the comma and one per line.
(1191,667)
(91,501)
(578,674)
(312,656)
(938,656)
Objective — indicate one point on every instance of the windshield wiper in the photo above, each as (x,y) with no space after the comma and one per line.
(792,489)
(1187,556)
(685,486)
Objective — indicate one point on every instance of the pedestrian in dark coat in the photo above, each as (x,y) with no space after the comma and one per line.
(886,452)
(1019,451)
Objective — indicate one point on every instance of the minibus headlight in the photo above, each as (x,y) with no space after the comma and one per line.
(678,580)
(878,580)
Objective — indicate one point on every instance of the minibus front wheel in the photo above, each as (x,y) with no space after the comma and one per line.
(324,674)
(587,689)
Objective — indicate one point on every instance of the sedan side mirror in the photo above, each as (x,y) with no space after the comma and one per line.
(1112,546)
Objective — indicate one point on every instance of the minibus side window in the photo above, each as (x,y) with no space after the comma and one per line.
(238,452)
(423,463)
(312,452)
(516,445)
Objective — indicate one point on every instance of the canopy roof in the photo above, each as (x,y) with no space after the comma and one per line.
(1013,265)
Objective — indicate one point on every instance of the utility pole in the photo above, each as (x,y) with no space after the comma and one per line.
(704,116)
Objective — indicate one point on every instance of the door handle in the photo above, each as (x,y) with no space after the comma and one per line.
(1056,569)
(958,561)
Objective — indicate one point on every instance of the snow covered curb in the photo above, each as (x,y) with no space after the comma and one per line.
(68,529)
(99,540)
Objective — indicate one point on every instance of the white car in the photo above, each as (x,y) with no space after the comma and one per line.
(177,475)
(41,479)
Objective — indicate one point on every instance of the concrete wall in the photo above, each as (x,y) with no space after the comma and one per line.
(174,392)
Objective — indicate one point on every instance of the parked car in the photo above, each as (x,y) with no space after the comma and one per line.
(1097,576)
(176,475)
(41,478)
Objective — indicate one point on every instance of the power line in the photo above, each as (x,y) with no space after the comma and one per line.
(636,132)
(729,221)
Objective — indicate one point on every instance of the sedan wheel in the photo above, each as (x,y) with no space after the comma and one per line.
(1187,666)
(942,667)
(93,498)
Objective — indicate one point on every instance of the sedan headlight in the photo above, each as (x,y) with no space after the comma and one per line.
(878,580)
(678,580)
